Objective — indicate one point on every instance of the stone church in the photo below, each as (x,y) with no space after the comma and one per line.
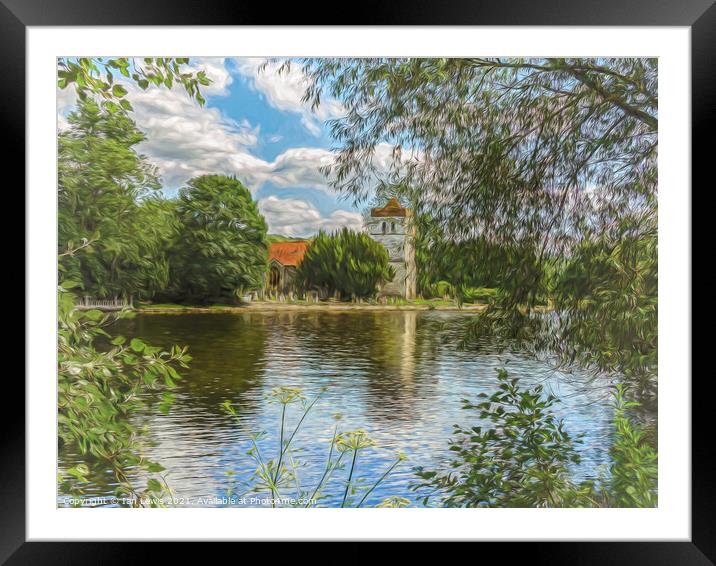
(393,226)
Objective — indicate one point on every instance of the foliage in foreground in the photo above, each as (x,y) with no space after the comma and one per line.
(348,263)
(634,469)
(97,77)
(544,156)
(523,458)
(279,476)
(606,297)
(98,390)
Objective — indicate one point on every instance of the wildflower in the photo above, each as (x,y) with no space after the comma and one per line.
(353,440)
(285,395)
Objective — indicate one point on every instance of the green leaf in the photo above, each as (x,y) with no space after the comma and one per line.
(111,107)
(154,486)
(119,91)
(69,284)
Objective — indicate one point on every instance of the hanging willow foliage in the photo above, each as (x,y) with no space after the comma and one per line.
(551,157)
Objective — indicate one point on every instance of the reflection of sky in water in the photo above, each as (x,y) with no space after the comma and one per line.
(395,374)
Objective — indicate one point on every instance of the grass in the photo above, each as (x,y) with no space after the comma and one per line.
(479,298)
(434,302)
(176,306)
(141,306)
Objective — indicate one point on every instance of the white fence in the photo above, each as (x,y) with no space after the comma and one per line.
(114,304)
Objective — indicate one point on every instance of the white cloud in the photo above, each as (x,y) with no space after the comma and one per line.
(285,90)
(298,167)
(214,67)
(65,101)
(185,140)
(294,217)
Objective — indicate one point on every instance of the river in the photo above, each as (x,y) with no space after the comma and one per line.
(396,374)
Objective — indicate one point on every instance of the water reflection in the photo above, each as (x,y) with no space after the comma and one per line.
(395,373)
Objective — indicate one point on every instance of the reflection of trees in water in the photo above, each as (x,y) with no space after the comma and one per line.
(383,356)
(228,360)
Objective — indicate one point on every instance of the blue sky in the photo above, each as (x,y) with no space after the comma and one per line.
(254,126)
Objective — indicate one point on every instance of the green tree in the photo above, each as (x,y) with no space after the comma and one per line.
(346,262)
(220,251)
(606,299)
(511,149)
(111,228)
(111,225)
(536,155)
(459,267)
(107,193)
(554,160)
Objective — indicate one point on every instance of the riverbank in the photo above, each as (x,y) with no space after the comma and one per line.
(271,306)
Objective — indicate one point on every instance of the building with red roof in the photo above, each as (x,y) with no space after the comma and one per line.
(284,259)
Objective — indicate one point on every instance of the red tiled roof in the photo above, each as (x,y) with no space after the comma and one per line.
(287,253)
(393,208)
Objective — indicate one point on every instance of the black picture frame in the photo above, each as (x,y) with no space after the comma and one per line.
(699,15)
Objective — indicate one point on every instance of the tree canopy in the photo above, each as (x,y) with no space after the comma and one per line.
(535,155)
(107,195)
(220,250)
(512,149)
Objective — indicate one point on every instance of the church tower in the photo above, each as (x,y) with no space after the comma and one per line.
(392,226)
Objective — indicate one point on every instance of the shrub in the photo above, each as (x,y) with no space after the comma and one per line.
(520,461)
(97,392)
(348,263)
(478,294)
(523,459)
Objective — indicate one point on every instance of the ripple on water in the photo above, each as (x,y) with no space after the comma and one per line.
(394,373)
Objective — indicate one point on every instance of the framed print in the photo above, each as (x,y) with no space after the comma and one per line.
(426,276)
